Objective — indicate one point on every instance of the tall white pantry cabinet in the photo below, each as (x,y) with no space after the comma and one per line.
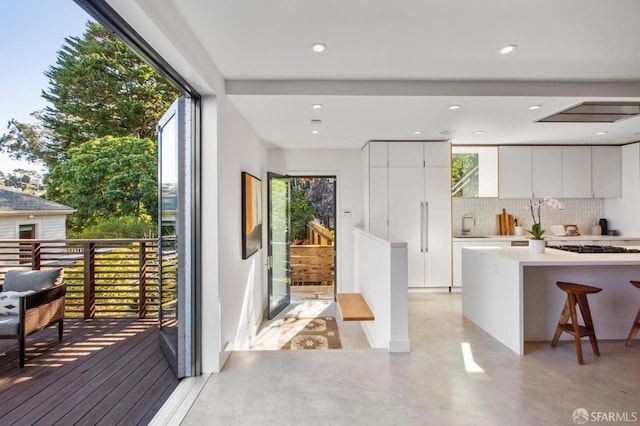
(409,199)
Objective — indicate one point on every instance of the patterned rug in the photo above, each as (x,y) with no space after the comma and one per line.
(310,333)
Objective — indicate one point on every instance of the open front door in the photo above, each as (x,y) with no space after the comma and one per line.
(278,260)
(175,283)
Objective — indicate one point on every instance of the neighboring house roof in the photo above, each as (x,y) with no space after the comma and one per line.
(19,202)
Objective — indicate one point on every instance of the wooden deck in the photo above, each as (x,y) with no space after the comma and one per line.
(106,371)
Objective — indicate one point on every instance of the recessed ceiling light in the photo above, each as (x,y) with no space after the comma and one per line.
(535,107)
(602,133)
(319,47)
(316,106)
(507,49)
(315,126)
(417,132)
(478,132)
(454,107)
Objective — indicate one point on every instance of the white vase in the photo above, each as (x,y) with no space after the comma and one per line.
(536,246)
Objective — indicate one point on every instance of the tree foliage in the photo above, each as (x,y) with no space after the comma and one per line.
(98,87)
(106,178)
(117,227)
(302,212)
(461,164)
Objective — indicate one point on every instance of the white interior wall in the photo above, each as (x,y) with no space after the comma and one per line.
(346,164)
(622,213)
(240,281)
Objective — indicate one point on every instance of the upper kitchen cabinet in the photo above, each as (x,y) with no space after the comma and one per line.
(514,171)
(437,154)
(546,171)
(378,154)
(576,172)
(606,167)
(406,154)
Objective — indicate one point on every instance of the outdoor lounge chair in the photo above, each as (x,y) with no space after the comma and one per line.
(29,302)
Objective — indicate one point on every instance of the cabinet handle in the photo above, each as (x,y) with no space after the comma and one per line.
(425,226)
(421,226)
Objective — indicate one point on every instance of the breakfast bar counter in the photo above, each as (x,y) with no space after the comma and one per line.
(511,294)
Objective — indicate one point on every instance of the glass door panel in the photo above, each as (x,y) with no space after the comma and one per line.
(278,263)
(174,283)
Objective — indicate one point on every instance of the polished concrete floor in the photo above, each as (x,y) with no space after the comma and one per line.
(431,385)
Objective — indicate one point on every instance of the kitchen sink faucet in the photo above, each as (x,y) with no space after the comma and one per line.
(467,222)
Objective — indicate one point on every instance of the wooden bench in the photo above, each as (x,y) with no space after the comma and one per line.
(353,307)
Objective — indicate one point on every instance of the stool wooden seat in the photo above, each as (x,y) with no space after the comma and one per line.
(636,324)
(576,294)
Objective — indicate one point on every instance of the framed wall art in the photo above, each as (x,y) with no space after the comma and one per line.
(251,215)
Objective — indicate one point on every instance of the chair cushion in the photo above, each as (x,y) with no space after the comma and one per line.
(9,325)
(16,280)
(9,301)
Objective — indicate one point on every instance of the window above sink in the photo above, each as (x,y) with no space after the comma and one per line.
(474,171)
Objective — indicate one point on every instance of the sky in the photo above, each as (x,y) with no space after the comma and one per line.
(31,34)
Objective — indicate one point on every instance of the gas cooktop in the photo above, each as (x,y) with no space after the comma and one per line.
(595,249)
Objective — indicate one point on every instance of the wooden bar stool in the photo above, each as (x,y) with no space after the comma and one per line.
(636,325)
(576,294)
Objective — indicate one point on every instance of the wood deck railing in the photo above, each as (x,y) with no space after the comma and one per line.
(105,277)
(317,234)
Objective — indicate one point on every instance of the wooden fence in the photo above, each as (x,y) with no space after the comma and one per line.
(318,234)
(108,277)
(312,265)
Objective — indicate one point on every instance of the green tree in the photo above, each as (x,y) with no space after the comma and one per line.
(98,87)
(302,212)
(461,164)
(117,227)
(106,178)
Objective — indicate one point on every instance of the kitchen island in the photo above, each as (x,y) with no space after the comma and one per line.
(511,294)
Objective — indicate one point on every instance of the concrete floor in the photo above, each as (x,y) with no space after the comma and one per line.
(428,386)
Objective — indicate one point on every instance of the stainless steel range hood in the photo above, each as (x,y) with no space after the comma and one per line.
(595,112)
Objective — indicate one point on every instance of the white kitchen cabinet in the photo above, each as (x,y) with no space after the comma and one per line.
(406,154)
(514,171)
(379,200)
(406,195)
(576,172)
(546,171)
(378,156)
(457,255)
(606,169)
(437,154)
(415,202)
(437,222)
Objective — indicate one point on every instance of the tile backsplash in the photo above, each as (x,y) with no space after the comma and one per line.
(582,212)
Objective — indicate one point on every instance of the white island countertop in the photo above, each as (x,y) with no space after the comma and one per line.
(564,239)
(555,257)
(513,296)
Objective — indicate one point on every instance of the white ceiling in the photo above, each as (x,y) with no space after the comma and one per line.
(393,67)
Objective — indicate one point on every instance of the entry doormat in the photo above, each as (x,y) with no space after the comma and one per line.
(310,333)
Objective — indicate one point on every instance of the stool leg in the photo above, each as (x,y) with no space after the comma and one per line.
(634,329)
(588,322)
(564,316)
(576,326)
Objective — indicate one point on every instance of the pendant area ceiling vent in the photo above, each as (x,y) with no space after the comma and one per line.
(595,112)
